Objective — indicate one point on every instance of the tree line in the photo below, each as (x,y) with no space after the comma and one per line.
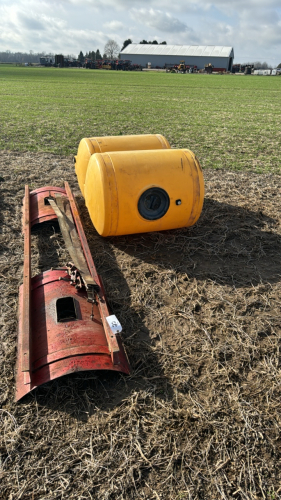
(144,42)
(23,57)
(111,50)
(263,65)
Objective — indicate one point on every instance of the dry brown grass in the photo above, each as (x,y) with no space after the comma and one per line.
(199,417)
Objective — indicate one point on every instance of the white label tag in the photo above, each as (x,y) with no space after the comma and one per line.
(115,325)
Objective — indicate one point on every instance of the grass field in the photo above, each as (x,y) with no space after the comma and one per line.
(199,416)
(230,122)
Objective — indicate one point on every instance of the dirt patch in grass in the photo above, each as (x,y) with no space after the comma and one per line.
(199,417)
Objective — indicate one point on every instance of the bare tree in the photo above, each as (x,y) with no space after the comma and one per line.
(264,65)
(111,49)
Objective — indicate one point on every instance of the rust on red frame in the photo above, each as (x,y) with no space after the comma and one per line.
(60,331)
(40,209)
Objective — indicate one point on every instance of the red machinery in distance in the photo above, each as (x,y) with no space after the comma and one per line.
(64,322)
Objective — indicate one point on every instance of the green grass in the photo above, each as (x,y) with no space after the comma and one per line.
(229,121)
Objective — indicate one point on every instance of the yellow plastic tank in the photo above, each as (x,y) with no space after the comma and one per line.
(90,146)
(142,191)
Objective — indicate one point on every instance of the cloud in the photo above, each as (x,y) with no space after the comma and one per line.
(162,21)
(113,26)
(253,28)
(250,4)
(30,22)
(103,4)
(22,31)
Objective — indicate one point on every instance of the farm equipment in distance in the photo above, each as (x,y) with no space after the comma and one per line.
(112,64)
(180,68)
(242,68)
(209,68)
(46,61)
(109,64)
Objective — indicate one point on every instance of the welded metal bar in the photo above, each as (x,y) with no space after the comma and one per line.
(111,338)
(67,225)
(80,230)
(66,229)
(26,328)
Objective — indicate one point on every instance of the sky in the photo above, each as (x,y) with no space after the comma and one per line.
(251,27)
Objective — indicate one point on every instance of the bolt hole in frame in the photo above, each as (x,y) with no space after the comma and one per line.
(73,334)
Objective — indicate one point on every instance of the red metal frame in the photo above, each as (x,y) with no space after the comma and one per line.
(48,348)
(25,352)
(39,210)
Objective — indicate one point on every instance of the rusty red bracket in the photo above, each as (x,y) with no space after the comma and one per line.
(60,331)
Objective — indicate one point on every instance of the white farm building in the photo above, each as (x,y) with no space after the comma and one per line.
(162,56)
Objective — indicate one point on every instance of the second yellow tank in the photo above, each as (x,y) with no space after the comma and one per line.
(90,146)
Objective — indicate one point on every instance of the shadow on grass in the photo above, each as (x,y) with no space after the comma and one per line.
(48,255)
(229,245)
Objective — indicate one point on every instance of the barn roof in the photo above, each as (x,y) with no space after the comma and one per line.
(178,50)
